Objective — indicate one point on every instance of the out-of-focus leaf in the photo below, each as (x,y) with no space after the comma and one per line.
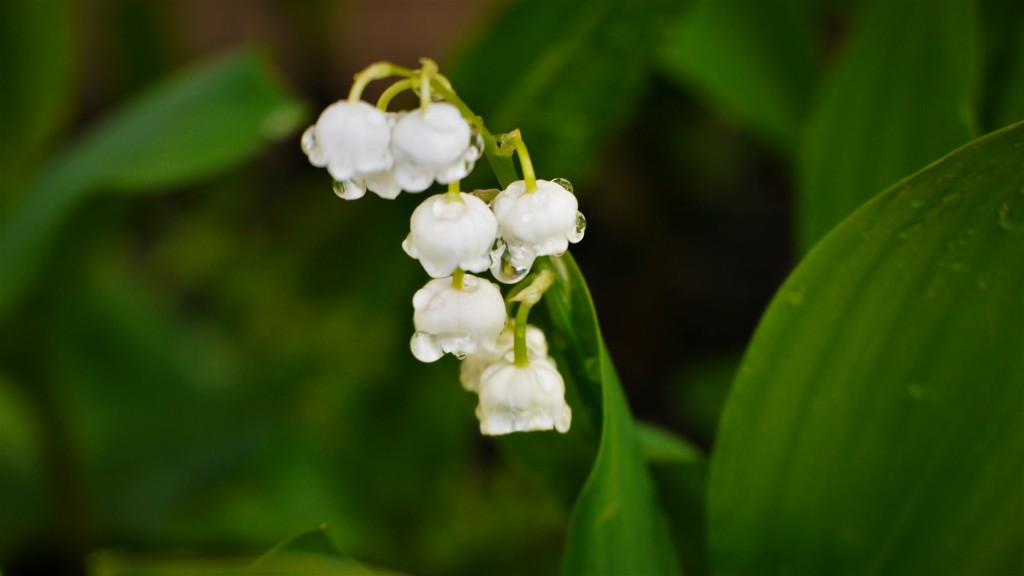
(310,553)
(35,64)
(566,73)
(901,96)
(616,526)
(1002,22)
(877,421)
(752,60)
(661,446)
(188,127)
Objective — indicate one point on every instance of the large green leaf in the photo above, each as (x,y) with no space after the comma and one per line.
(616,526)
(877,422)
(188,127)
(901,96)
(566,73)
(753,60)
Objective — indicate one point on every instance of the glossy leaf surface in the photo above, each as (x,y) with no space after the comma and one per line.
(877,421)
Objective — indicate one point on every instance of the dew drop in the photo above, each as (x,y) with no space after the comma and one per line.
(1011,213)
(504,272)
(425,348)
(563,183)
(579,229)
(795,295)
(308,141)
(909,230)
(349,190)
(459,354)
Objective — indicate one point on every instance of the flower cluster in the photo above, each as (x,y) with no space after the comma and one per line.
(456,234)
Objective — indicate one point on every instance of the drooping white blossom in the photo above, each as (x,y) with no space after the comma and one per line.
(538,223)
(473,365)
(351,139)
(454,320)
(431,143)
(449,232)
(522,398)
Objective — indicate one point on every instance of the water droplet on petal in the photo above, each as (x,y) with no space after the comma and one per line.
(459,354)
(310,147)
(563,183)
(504,272)
(349,190)
(578,229)
(425,347)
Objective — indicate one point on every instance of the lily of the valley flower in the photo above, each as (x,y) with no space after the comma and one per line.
(432,143)
(474,364)
(449,231)
(456,320)
(534,223)
(526,398)
(350,139)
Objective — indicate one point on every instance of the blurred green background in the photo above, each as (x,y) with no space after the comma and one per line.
(204,349)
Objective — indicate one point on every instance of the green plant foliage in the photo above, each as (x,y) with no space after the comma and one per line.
(310,553)
(189,127)
(36,65)
(876,424)
(577,71)
(753,60)
(616,526)
(901,95)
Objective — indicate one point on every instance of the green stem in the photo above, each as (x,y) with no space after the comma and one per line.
(453,191)
(459,279)
(373,72)
(500,163)
(516,140)
(521,357)
(427,74)
(392,91)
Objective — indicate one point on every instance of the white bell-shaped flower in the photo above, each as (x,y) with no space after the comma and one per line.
(454,320)
(432,143)
(522,398)
(382,184)
(474,364)
(351,139)
(449,232)
(538,223)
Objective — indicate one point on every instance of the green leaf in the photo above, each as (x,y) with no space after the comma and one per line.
(901,96)
(877,421)
(186,128)
(36,65)
(566,73)
(753,60)
(616,526)
(1003,95)
(309,553)
(663,447)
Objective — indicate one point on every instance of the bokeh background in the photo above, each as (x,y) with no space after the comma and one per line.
(220,362)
